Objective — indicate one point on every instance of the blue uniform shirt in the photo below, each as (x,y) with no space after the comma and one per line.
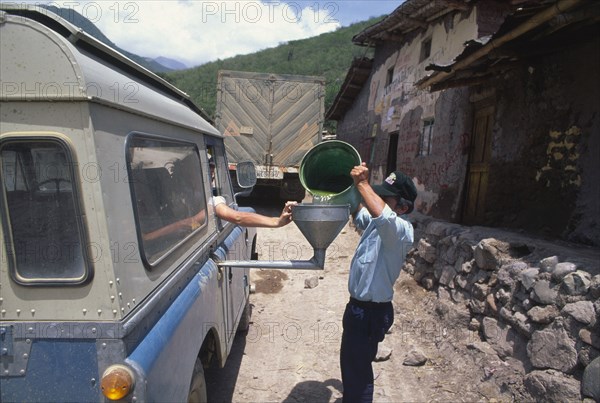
(379,255)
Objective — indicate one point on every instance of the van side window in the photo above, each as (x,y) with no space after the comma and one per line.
(42,216)
(168,193)
(220,174)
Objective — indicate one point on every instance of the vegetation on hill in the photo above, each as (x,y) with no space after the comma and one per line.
(328,55)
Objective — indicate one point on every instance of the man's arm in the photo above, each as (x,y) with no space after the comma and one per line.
(373,203)
(247,219)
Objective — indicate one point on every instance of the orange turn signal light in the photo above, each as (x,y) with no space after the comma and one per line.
(117,381)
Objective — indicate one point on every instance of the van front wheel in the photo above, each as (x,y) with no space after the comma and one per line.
(198,384)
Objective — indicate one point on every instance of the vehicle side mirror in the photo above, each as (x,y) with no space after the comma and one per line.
(246,174)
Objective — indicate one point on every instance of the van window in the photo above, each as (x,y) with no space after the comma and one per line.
(46,243)
(219,171)
(168,193)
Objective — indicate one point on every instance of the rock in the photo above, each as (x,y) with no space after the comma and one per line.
(457,315)
(474,325)
(428,282)
(415,358)
(459,296)
(466,267)
(582,311)
(548,264)
(590,338)
(590,384)
(528,277)
(587,354)
(552,348)
(594,289)
(461,281)
(576,283)
(521,295)
(479,291)
(543,293)
(438,228)
(518,321)
(562,269)
(499,336)
(489,253)
(311,282)
(543,314)
(527,304)
(552,386)
(506,314)
(447,276)
(522,324)
(448,253)
(427,251)
(477,307)
(505,278)
(491,302)
(482,347)
(503,296)
(383,353)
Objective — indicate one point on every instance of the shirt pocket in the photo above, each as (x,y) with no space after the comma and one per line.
(368,252)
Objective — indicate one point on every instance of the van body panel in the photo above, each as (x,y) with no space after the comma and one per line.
(76,381)
(179,332)
(60,78)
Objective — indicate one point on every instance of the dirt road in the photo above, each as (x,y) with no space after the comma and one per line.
(291,350)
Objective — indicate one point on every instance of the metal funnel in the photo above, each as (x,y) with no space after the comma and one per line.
(319,223)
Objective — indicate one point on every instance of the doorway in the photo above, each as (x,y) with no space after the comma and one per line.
(392,153)
(479,164)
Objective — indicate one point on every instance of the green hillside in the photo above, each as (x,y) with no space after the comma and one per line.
(327,55)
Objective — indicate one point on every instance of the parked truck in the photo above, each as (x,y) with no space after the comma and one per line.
(271,120)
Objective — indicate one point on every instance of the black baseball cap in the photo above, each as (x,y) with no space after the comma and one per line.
(397,184)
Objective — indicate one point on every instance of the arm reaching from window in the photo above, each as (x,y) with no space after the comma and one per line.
(247,219)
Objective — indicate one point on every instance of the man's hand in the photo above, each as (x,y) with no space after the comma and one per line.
(360,173)
(286,214)
(373,203)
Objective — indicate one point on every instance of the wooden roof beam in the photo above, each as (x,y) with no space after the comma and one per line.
(391,37)
(457,5)
(560,7)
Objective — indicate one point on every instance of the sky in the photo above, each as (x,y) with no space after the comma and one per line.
(195,32)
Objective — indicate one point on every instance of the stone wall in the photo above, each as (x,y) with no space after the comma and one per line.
(533,300)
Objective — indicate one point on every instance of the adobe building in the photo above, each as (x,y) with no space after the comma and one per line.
(491,106)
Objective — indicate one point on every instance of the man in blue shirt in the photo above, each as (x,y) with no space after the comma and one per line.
(376,265)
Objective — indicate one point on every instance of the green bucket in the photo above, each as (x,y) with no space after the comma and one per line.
(325,173)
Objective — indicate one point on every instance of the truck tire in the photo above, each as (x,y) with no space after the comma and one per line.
(198,384)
